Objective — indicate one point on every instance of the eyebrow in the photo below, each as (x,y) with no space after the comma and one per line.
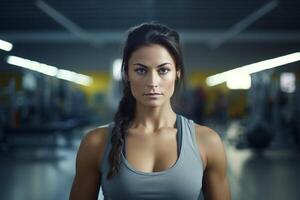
(147,67)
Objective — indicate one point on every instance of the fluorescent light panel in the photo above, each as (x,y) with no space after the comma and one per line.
(253,68)
(50,70)
(6,46)
(239,81)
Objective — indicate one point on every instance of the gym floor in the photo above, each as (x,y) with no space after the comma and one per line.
(35,173)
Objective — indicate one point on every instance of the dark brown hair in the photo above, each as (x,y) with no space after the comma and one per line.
(138,36)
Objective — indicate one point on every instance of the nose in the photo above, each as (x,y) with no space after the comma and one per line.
(153,79)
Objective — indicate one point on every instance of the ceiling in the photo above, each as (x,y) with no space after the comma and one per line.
(20,15)
(94,29)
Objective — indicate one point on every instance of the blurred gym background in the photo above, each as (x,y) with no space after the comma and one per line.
(59,63)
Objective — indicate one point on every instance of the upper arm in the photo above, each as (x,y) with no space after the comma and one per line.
(86,183)
(215,181)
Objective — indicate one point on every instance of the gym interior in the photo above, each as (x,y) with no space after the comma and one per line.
(59,78)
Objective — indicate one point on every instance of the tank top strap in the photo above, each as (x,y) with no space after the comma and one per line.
(107,148)
(179,133)
(191,125)
(191,137)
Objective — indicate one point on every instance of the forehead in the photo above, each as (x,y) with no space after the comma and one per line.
(151,55)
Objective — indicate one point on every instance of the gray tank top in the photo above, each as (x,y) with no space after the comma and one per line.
(182,181)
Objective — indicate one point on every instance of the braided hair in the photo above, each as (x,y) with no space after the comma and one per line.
(143,35)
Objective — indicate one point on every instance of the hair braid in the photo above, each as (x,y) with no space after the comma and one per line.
(122,119)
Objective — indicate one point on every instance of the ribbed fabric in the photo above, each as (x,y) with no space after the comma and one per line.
(182,181)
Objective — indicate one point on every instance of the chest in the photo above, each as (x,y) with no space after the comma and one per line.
(152,152)
(156,153)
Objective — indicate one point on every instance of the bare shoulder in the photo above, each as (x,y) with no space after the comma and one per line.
(86,182)
(209,142)
(215,181)
(206,134)
(92,146)
(96,137)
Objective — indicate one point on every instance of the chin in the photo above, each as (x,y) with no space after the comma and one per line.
(158,103)
(154,105)
(151,104)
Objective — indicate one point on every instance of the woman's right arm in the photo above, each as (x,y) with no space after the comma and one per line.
(86,183)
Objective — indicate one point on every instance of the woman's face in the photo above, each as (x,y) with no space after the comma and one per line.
(151,70)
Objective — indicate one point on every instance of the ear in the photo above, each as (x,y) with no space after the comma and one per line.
(178,74)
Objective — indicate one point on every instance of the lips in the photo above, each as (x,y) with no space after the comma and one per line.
(155,93)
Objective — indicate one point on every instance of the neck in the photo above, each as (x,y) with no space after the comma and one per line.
(154,118)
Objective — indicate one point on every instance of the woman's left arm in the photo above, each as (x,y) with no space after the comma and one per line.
(215,181)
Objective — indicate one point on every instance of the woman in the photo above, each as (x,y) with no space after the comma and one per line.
(149,151)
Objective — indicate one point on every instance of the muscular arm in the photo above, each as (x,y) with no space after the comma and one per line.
(86,182)
(215,181)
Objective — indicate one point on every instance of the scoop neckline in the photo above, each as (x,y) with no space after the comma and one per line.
(179,128)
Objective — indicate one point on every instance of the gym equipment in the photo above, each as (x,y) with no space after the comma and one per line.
(296,116)
(259,133)
(273,119)
(44,107)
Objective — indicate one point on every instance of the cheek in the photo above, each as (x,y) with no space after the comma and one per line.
(168,85)
(136,86)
